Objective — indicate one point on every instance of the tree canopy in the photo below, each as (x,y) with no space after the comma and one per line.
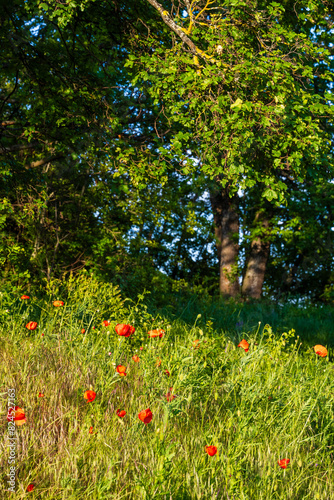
(142,134)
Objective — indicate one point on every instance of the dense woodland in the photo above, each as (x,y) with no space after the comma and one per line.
(169,144)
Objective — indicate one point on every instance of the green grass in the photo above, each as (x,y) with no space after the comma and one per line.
(273,402)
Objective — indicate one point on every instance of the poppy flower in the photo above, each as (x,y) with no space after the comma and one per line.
(196,344)
(90,396)
(121,413)
(283,463)
(167,373)
(58,303)
(106,322)
(169,395)
(135,358)
(121,370)
(93,327)
(83,330)
(145,416)
(156,333)
(18,414)
(141,348)
(32,325)
(40,395)
(124,330)
(30,487)
(320,350)
(158,362)
(244,344)
(211,450)
(24,297)
(91,430)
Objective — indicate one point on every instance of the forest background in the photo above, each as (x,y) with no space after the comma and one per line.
(168,146)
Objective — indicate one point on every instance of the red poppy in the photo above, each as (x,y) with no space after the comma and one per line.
(211,450)
(121,370)
(91,430)
(32,325)
(58,303)
(121,413)
(30,487)
(24,297)
(106,322)
(283,463)
(169,395)
(167,373)
(196,344)
(93,327)
(320,350)
(141,348)
(158,362)
(244,344)
(156,333)
(124,330)
(145,416)
(40,395)
(90,396)
(83,330)
(18,414)
(135,358)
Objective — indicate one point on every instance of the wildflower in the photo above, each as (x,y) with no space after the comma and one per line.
(121,413)
(135,358)
(17,416)
(106,322)
(58,303)
(244,344)
(25,297)
(211,450)
(156,333)
(169,395)
(145,416)
(91,430)
(196,344)
(83,330)
(109,353)
(40,395)
(30,487)
(141,348)
(283,463)
(167,373)
(93,327)
(42,335)
(121,370)
(124,330)
(158,362)
(90,396)
(320,350)
(32,325)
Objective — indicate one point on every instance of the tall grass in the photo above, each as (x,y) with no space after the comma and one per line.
(274,401)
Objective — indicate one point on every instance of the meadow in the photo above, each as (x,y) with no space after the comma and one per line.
(222,418)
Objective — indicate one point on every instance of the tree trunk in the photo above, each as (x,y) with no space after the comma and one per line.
(226,220)
(257,261)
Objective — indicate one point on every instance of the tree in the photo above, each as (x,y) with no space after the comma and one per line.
(241,82)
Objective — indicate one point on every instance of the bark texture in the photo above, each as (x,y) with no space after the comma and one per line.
(257,260)
(226,220)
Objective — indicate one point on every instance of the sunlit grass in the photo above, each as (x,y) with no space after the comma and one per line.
(257,407)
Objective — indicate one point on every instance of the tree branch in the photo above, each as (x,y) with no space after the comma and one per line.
(179,31)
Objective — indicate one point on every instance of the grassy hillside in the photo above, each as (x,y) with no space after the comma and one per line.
(273,402)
